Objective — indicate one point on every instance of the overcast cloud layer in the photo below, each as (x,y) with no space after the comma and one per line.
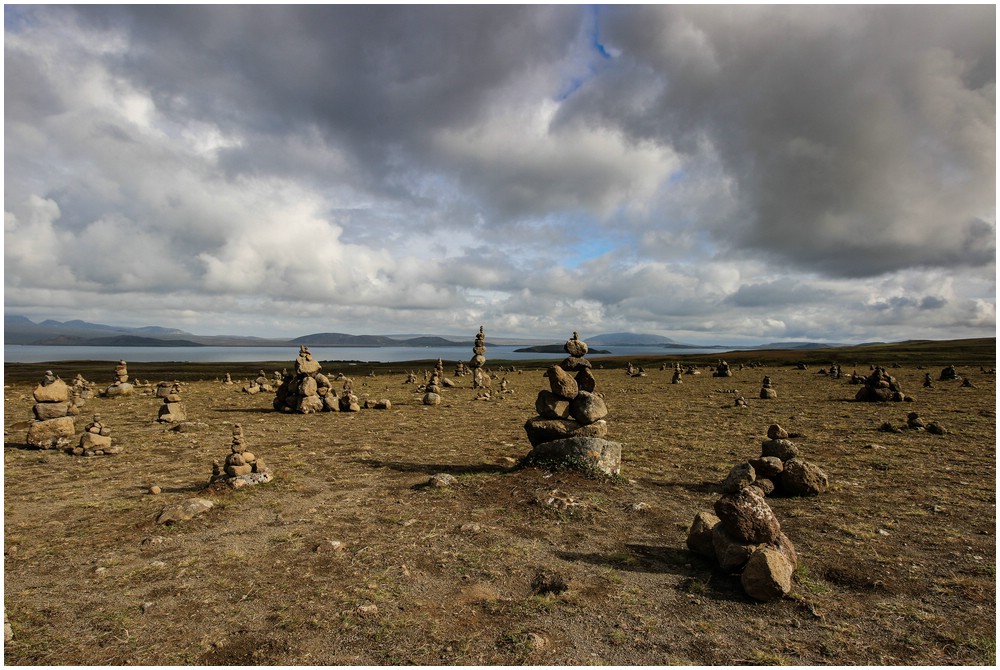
(713,174)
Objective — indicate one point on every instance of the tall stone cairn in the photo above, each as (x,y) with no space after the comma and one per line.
(53,426)
(570,426)
(242,467)
(767,392)
(308,390)
(121,385)
(432,390)
(480,380)
(172,409)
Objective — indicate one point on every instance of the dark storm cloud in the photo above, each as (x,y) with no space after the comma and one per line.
(860,139)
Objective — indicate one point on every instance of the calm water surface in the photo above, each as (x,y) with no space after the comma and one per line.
(17,353)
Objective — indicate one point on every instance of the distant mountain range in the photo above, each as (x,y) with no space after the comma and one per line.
(21,330)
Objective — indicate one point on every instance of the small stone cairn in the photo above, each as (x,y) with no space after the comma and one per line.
(928,383)
(678,377)
(480,380)
(307,391)
(121,385)
(228,380)
(744,537)
(722,370)
(242,467)
(53,426)
(348,402)
(82,388)
(880,386)
(570,426)
(95,441)
(767,392)
(779,469)
(172,409)
(432,389)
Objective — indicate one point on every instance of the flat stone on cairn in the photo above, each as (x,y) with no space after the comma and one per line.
(95,441)
(53,426)
(570,426)
(172,410)
(242,467)
(744,536)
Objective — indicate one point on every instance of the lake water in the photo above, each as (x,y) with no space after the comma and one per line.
(19,353)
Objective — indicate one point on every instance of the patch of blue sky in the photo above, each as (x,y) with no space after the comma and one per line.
(590,248)
(593,28)
(15,18)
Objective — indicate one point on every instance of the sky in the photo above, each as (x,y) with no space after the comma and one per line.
(713,174)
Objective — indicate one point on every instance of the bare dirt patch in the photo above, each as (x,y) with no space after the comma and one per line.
(349,558)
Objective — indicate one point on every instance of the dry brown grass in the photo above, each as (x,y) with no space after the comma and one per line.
(898,558)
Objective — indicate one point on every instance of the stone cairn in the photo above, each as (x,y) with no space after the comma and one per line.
(744,537)
(927,381)
(766,391)
(172,410)
(914,422)
(348,402)
(121,385)
(570,426)
(432,389)
(242,467)
(82,388)
(722,370)
(53,426)
(880,386)
(678,377)
(480,379)
(779,469)
(948,374)
(307,391)
(228,380)
(95,441)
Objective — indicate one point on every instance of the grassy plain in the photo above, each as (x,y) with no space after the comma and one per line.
(898,558)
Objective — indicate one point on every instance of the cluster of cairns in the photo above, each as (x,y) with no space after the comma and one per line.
(834,372)
(570,426)
(633,371)
(880,386)
(95,441)
(779,469)
(262,384)
(722,370)
(120,386)
(914,422)
(172,409)
(744,537)
(242,467)
(767,392)
(53,426)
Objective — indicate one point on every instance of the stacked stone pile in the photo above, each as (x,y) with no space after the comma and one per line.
(779,469)
(53,426)
(480,380)
(678,377)
(308,390)
(432,389)
(82,388)
(172,409)
(95,441)
(927,381)
(570,426)
(242,467)
(744,537)
(121,385)
(880,386)
(948,374)
(228,379)
(722,370)
(348,402)
(767,392)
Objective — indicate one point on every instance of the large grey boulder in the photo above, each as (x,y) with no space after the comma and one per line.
(604,455)
(52,433)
